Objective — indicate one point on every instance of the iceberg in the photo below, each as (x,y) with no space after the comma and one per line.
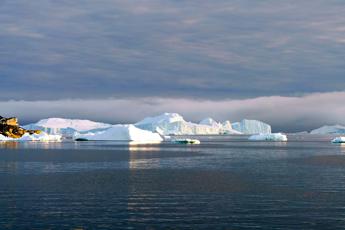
(252,127)
(268,137)
(329,129)
(33,137)
(210,122)
(66,127)
(338,140)
(227,125)
(165,124)
(223,128)
(174,124)
(79,125)
(121,133)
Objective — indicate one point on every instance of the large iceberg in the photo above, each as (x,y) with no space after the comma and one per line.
(268,137)
(329,129)
(252,127)
(174,124)
(33,137)
(121,133)
(66,127)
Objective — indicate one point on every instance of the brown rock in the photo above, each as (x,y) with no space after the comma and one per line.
(9,127)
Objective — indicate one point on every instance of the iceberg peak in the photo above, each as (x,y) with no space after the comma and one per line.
(165,117)
(227,125)
(209,121)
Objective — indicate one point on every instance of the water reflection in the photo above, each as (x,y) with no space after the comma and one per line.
(140,156)
(342,148)
(219,184)
(145,148)
(9,144)
(131,143)
(11,167)
(42,145)
(30,145)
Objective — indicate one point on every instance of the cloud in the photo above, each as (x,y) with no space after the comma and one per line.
(283,113)
(184,49)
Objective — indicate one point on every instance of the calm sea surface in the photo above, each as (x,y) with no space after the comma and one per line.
(224,183)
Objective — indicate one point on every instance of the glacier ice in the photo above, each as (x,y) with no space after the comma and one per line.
(339,140)
(77,124)
(174,124)
(252,127)
(121,133)
(66,127)
(209,121)
(227,125)
(268,137)
(329,129)
(162,125)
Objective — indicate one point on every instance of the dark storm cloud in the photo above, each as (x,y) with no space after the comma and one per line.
(186,49)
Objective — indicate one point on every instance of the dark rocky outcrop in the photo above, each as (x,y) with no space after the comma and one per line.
(9,127)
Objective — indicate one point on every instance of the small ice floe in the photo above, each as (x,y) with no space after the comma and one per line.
(187,141)
(81,139)
(268,137)
(338,140)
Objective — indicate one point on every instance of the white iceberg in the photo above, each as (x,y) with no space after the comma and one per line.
(33,137)
(174,124)
(210,122)
(121,133)
(227,125)
(268,137)
(66,127)
(252,127)
(77,124)
(165,124)
(338,140)
(329,129)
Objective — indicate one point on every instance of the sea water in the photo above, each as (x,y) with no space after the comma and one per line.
(226,182)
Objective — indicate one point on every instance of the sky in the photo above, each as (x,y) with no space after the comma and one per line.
(118,61)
